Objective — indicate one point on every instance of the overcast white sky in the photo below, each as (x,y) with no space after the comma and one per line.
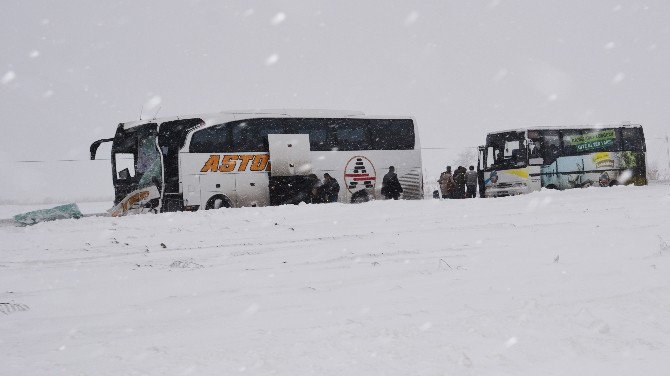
(71,70)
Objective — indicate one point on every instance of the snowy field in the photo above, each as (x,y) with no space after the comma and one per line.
(552,283)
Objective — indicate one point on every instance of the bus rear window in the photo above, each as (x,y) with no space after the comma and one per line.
(633,139)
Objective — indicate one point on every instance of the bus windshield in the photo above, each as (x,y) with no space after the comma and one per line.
(136,160)
(506,150)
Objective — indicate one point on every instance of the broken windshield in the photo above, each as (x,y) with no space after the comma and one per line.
(506,150)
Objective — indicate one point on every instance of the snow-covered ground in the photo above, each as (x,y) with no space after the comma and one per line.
(552,283)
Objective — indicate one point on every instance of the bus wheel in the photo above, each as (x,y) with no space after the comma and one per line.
(217,202)
(613,183)
(360,197)
(551,186)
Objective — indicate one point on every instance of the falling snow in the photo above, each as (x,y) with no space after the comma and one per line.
(618,78)
(8,77)
(272,59)
(278,18)
(411,17)
(153,102)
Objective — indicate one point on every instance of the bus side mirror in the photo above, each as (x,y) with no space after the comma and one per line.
(94,146)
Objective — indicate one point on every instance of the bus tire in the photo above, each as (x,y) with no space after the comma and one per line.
(217,202)
(613,183)
(360,197)
(551,186)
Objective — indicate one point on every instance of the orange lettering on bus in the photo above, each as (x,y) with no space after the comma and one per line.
(132,200)
(212,164)
(244,162)
(228,163)
(260,162)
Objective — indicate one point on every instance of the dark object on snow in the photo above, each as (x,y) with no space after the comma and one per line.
(391,188)
(436,194)
(59,212)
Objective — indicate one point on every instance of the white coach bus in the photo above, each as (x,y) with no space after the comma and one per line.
(525,160)
(258,158)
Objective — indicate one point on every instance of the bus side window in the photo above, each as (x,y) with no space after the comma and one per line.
(352,134)
(392,134)
(215,139)
(261,131)
(534,147)
(320,132)
(550,148)
(251,135)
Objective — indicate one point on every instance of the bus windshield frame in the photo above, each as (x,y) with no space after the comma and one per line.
(136,160)
(505,150)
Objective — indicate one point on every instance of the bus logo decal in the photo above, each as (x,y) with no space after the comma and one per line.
(359,173)
(237,162)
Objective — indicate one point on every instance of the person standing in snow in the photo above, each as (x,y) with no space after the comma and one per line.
(471,182)
(313,187)
(446,182)
(391,188)
(459,182)
(330,189)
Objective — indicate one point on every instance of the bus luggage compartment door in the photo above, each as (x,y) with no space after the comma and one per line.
(289,154)
(290,164)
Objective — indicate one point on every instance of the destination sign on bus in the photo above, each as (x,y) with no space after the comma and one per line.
(596,140)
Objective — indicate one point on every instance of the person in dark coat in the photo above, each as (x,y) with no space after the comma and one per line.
(471,182)
(310,191)
(391,188)
(459,181)
(330,189)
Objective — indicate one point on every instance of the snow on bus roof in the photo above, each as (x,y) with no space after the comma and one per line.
(566,127)
(299,112)
(225,116)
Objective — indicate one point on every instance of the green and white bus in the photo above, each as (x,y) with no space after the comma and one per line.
(520,161)
(258,158)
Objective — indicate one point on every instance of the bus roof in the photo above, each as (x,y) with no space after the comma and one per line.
(226,116)
(568,127)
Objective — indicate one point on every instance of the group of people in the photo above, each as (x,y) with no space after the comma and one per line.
(322,191)
(462,183)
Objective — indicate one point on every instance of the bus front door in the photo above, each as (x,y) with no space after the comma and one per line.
(290,166)
(481,165)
